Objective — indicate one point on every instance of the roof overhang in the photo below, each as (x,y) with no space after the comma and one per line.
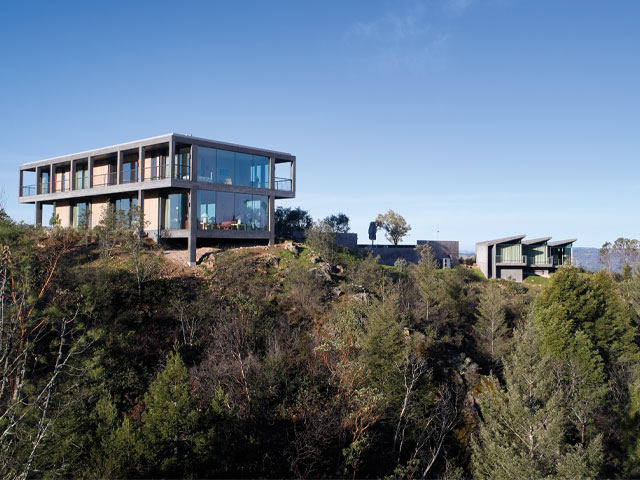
(561,243)
(515,238)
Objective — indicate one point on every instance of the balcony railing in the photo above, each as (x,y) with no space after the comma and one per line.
(511,260)
(540,261)
(63,185)
(285,184)
(131,176)
(159,172)
(43,188)
(28,190)
(182,171)
(104,179)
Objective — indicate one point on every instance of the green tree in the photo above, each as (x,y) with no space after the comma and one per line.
(321,238)
(394,225)
(523,432)
(338,223)
(491,325)
(171,423)
(289,220)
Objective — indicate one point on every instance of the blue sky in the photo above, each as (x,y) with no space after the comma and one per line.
(474,119)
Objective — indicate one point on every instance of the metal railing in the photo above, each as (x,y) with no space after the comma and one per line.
(28,190)
(540,261)
(131,177)
(511,260)
(159,172)
(82,184)
(283,184)
(182,171)
(104,179)
(44,188)
(63,185)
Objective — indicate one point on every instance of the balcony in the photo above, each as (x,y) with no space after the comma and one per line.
(510,260)
(158,172)
(28,190)
(182,171)
(130,175)
(44,188)
(63,185)
(284,184)
(104,179)
(541,262)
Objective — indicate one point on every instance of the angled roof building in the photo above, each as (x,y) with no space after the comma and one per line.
(187,187)
(514,258)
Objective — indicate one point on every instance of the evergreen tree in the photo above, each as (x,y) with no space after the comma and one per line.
(171,422)
(491,325)
(523,433)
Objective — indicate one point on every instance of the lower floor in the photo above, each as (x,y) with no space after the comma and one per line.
(176,213)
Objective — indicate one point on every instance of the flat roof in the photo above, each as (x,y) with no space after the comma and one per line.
(150,140)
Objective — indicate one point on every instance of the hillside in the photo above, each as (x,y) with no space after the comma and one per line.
(302,360)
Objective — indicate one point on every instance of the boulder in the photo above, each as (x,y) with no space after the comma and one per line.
(289,246)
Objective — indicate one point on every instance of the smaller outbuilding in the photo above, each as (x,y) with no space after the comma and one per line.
(513,258)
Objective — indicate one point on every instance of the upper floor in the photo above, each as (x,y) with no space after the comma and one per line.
(517,252)
(171,160)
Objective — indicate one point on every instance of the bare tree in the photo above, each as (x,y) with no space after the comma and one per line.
(412,368)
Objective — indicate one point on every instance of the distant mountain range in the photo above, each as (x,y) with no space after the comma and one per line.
(585,257)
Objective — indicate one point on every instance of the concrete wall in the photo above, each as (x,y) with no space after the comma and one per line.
(389,253)
(514,274)
(443,249)
(348,240)
(63,210)
(482,259)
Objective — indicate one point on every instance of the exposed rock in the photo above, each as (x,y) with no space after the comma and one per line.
(314,259)
(289,246)
(335,291)
(338,269)
(322,272)
(271,261)
(359,297)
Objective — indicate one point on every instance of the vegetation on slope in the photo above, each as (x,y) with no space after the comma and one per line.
(306,361)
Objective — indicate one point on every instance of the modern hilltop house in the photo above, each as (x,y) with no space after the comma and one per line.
(187,187)
(514,258)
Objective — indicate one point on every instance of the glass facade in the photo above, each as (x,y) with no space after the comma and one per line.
(129,172)
(537,255)
(232,168)
(508,253)
(157,168)
(561,255)
(124,204)
(238,211)
(82,177)
(175,208)
(80,214)
(44,182)
(182,163)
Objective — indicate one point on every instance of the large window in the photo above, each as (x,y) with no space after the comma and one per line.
(129,172)
(82,177)
(506,253)
(124,204)
(80,215)
(174,211)
(232,211)
(183,163)
(232,168)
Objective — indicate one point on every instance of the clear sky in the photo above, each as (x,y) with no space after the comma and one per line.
(474,119)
